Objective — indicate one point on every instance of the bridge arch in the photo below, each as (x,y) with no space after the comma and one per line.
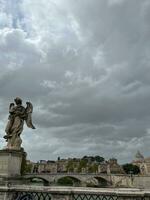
(38,179)
(68,181)
(102,182)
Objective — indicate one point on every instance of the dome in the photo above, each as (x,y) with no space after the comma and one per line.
(139,156)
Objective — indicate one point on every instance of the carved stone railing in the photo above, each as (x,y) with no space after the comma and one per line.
(24,192)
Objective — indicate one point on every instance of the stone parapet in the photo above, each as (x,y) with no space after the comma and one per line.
(72,193)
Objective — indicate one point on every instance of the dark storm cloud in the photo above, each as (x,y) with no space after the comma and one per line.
(85,66)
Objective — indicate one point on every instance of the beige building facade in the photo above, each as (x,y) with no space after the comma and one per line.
(77,166)
(110,167)
(142,163)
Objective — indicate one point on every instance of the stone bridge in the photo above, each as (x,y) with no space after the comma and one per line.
(113,180)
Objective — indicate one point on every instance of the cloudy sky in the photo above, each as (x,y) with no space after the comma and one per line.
(85,66)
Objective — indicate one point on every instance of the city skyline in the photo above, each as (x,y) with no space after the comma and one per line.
(85,67)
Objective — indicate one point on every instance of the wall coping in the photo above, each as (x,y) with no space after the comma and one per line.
(86,174)
(77,190)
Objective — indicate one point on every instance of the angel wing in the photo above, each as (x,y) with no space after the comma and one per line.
(29,110)
(11,107)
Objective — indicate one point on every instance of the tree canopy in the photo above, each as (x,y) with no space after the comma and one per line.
(131,169)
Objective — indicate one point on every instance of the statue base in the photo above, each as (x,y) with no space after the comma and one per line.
(11,162)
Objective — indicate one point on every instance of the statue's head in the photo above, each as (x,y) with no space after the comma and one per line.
(18,101)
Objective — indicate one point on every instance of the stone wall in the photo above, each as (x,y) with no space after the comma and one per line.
(72,193)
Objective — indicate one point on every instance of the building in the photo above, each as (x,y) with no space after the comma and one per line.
(62,165)
(51,167)
(102,167)
(77,165)
(113,167)
(110,167)
(46,167)
(142,163)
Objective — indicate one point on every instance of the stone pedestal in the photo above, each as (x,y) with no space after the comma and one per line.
(10,163)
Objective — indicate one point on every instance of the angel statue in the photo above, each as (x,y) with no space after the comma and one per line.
(17,115)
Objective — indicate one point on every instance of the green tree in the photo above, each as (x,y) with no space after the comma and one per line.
(82,164)
(85,158)
(93,168)
(70,166)
(131,169)
(93,158)
(28,168)
(99,159)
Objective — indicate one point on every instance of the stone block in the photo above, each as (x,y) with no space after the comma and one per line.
(10,162)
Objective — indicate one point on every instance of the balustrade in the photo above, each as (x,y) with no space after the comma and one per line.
(24,192)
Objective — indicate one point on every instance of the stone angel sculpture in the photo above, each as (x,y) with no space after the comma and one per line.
(17,115)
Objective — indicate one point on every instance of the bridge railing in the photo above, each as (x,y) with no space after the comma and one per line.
(24,192)
(84,173)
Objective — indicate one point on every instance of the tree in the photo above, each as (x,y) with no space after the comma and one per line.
(99,159)
(93,168)
(96,158)
(70,166)
(82,164)
(28,168)
(85,158)
(131,169)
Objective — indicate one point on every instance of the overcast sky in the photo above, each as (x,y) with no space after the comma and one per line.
(85,66)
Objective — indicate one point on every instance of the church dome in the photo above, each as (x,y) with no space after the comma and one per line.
(139,156)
